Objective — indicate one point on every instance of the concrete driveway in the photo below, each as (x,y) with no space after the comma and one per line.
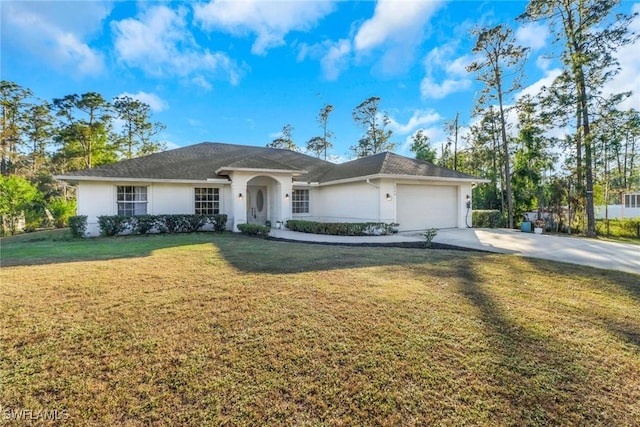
(574,250)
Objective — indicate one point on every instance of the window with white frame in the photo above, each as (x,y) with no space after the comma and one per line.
(300,202)
(207,201)
(632,200)
(132,200)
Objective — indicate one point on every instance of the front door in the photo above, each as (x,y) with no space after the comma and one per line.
(257,205)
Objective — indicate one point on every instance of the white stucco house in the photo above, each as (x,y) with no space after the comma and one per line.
(257,184)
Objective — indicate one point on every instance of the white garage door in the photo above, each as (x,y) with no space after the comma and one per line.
(420,207)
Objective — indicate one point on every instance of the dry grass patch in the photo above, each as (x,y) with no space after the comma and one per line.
(231,330)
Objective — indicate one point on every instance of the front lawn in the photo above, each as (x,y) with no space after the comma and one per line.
(209,329)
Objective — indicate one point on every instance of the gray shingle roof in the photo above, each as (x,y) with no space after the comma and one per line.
(389,164)
(201,161)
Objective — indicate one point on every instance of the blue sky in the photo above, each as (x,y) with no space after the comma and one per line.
(239,71)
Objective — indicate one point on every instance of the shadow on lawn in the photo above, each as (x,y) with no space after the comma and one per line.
(527,369)
(247,254)
(621,283)
(543,379)
(251,255)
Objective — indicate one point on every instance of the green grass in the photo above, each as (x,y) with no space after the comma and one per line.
(209,329)
(38,236)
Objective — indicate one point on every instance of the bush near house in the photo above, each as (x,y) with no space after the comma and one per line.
(61,210)
(113,225)
(78,225)
(341,228)
(254,230)
(488,219)
(17,198)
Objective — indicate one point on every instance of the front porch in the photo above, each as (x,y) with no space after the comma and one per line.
(260,199)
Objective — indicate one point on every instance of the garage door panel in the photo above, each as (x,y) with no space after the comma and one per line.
(420,207)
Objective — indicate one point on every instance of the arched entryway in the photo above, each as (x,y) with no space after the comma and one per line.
(262,193)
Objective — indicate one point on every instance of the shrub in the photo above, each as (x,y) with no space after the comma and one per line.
(196,222)
(219,222)
(488,219)
(17,195)
(341,228)
(175,223)
(144,223)
(254,230)
(78,225)
(628,227)
(112,225)
(61,210)
(429,235)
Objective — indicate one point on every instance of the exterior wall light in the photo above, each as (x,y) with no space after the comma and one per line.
(286,196)
(240,196)
(388,197)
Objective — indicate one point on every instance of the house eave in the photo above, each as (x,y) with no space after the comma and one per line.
(405,177)
(293,172)
(77,178)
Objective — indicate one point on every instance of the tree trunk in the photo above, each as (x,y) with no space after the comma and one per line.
(507,168)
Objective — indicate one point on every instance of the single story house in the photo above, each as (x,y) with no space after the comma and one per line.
(257,184)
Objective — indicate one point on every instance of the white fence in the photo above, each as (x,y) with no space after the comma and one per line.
(616,211)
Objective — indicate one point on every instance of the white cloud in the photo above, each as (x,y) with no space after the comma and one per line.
(546,81)
(543,62)
(454,76)
(458,67)
(53,35)
(418,118)
(159,43)
(395,21)
(334,56)
(336,59)
(628,79)
(269,21)
(398,28)
(533,35)
(152,100)
(429,88)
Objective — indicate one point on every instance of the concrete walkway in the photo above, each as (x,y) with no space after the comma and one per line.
(574,250)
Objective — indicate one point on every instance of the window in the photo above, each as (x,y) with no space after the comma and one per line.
(300,201)
(207,201)
(132,200)
(632,200)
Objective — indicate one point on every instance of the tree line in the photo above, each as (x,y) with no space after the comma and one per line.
(600,146)
(41,138)
(508,141)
